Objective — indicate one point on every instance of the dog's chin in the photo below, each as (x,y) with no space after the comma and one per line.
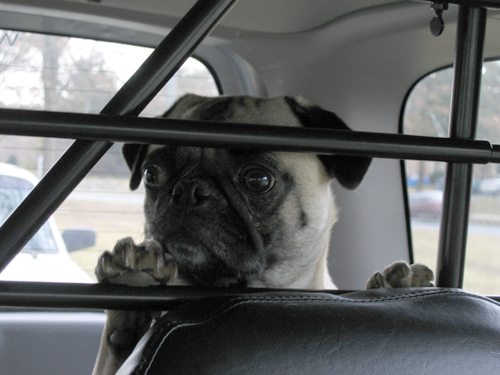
(213,264)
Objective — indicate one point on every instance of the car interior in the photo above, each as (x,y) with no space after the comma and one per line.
(418,81)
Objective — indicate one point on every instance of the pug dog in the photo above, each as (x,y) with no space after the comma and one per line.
(231,217)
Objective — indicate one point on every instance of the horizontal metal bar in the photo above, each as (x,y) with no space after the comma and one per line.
(115,297)
(120,297)
(228,135)
(493,4)
(495,153)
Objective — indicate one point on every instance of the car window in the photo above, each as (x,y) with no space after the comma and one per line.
(54,73)
(427,113)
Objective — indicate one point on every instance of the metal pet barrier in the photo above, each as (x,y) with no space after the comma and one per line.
(118,122)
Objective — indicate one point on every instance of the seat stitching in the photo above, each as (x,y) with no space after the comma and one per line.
(247,299)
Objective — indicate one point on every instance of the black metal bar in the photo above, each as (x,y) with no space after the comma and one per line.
(463,121)
(493,4)
(115,297)
(227,135)
(120,297)
(495,154)
(73,166)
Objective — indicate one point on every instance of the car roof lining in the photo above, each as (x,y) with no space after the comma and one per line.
(269,16)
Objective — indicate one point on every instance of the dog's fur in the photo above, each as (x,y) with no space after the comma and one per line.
(222,217)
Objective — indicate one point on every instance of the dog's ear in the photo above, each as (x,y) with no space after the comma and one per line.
(349,170)
(134,155)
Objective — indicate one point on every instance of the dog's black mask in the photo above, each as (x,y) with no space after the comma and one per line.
(214,211)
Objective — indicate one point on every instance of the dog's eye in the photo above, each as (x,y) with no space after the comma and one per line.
(256,180)
(154,177)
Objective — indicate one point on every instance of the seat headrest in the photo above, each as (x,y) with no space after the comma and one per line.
(397,331)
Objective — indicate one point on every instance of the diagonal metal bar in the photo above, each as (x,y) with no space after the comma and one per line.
(131,99)
(228,135)
(471,31)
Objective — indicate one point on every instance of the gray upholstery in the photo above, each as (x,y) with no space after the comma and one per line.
(398,331)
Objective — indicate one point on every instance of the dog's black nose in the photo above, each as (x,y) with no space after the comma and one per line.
(190,193)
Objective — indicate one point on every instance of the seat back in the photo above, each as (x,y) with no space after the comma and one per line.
(398,331)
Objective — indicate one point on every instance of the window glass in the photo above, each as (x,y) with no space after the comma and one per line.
(427,113)
(42,72)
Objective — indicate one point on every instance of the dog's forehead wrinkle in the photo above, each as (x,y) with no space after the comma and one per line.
(210,162)
(272,111)
(240,109)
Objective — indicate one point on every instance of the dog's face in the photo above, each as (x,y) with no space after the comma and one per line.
(239,217)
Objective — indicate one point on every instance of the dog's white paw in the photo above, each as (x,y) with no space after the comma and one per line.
(136,265)
(401,275)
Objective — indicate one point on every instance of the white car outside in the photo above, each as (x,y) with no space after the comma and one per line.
(45,257)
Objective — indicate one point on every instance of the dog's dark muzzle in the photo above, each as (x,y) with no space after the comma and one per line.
(205,225)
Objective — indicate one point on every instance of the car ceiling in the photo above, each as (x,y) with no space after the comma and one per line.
(274,16)
(146,22)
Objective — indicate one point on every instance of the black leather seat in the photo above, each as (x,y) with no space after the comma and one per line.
(398,331)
